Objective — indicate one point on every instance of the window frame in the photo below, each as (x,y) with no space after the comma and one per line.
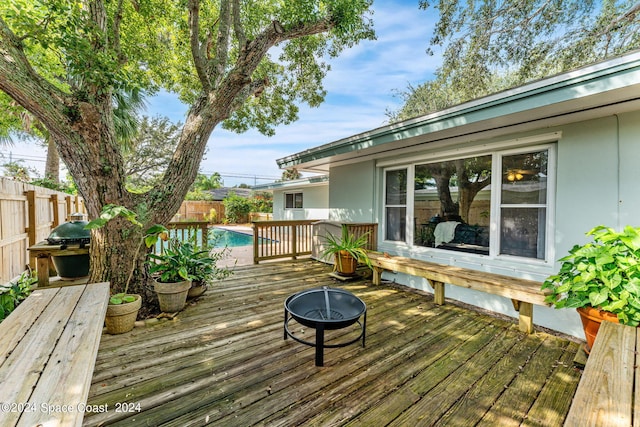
(293,195)
(497,152)
(408,210)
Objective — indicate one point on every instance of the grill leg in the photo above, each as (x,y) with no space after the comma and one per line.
(364,327)
(320,344)
(286,317)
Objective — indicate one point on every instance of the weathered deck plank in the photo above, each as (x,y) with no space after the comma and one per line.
(224,361)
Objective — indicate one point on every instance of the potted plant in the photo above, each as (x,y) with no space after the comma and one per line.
(348,251)
(601,279)
(122,310)
(204,269)
(174,270)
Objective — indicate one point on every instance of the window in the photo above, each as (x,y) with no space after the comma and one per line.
(452,204)
(492,204)
(523,204)
(293,200)
(396,205)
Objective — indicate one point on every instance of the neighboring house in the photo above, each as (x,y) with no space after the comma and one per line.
(553,158)
(305,198)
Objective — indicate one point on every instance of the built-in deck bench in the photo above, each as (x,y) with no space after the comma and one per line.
(48,348)
(523,293)
(609,391)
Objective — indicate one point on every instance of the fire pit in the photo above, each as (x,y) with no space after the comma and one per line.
(325,309)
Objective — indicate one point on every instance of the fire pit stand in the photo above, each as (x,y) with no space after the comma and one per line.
(325,309)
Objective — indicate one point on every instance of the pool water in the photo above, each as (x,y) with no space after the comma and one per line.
(222,237)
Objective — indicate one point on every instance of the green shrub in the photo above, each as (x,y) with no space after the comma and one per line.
(14,293)
(236,208)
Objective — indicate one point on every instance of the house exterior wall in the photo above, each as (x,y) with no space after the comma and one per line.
(352,192)
(315,202)
(596,182)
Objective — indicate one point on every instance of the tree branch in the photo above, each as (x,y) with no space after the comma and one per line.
(197,51)
(219,63)
(629,15)
(116,32)
(22,83)
(237,25)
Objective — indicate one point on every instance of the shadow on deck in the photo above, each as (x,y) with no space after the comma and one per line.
(224,361)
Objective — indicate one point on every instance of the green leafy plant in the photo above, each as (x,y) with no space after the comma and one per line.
(12,294)
(180,261)
(121,298)
(205,269)
(236,208)
(149,238)
(347,243)
(603,274)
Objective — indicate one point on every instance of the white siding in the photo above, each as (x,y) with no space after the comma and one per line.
(315,202)
(597,179)
(352,192)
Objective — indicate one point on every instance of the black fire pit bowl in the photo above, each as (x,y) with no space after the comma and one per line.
(325,309)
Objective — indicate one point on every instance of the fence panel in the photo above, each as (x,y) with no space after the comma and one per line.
(27,216)
(197,210)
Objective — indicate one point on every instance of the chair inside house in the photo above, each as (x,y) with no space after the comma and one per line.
(458,236)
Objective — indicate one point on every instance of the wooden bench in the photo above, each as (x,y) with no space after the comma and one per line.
(609,391)
(523,293)
(48,348)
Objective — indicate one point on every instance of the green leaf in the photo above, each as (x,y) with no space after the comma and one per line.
(129,298)
(597,298)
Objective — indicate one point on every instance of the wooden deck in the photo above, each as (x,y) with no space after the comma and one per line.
(223,361)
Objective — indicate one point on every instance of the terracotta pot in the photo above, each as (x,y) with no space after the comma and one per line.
(121,318)
(591,319)
(172,296)
(345,264)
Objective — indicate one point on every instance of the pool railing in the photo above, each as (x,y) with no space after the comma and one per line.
(184,231)
(291,239)
(281,239)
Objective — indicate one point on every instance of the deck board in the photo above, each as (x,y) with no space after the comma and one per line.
(224,361)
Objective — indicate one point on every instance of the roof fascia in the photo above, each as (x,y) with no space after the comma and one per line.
(569,89)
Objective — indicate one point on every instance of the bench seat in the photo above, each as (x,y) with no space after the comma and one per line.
(609,390)
(48,348)
(522,292)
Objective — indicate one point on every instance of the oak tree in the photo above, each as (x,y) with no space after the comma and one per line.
(239,64)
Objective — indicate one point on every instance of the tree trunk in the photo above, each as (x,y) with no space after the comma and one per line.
(468,189)
(52,168)
(116,248)
(118,255)
(447,206)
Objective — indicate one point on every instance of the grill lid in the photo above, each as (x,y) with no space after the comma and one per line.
(70,233)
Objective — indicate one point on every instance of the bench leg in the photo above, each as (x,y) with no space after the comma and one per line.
(438,292)
(43,271)
(525,321)
(377,275)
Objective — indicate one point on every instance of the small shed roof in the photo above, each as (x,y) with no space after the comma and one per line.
(293,184)
(222,192)
(598,90)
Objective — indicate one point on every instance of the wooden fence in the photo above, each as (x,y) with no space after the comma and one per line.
(27,216)
(200,210)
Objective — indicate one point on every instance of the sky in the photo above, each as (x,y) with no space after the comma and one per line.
(361,86)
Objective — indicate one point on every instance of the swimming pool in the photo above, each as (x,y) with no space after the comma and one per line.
(220,237)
